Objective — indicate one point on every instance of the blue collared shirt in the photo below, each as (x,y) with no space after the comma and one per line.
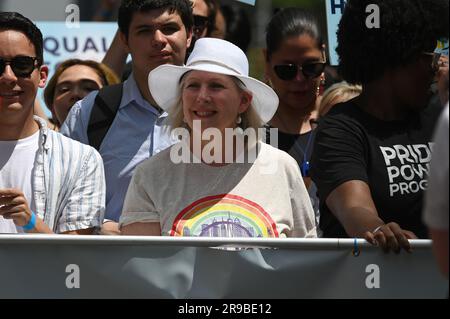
(136,134)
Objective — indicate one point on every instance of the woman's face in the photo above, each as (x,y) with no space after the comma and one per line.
(300,92)
(73,85)
(213,99)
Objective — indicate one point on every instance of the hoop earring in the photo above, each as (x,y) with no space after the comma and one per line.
(267,80)
(321,86)
(239,120)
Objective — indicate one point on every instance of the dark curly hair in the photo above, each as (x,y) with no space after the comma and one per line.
(407,28)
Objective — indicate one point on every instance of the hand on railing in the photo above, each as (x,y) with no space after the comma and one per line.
(110,228)
(390,237)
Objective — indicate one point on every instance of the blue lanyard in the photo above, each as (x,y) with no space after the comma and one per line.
(305,166)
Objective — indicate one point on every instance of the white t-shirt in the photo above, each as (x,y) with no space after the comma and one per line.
(236,200)
(16,171)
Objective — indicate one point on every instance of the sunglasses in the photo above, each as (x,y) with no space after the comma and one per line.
(22,66)
(200,24)
(288,72)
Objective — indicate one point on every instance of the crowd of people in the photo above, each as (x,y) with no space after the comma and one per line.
(352,161)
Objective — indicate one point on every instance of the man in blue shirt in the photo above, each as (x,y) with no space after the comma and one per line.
(154,33)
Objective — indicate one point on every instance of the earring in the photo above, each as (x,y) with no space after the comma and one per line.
(267,80)
(239,120)
(321,86)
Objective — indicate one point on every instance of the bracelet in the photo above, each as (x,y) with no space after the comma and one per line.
(377,229)
(31,223)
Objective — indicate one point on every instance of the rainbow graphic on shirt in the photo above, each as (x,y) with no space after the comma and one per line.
(224,216)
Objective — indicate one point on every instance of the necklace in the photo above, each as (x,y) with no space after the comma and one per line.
(305,166)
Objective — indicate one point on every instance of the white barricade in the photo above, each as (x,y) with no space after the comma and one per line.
(40,266)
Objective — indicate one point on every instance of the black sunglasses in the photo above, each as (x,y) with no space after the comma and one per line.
(200,24)
(22,66)
(288,72)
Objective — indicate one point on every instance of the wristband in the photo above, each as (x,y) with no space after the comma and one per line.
(31,223)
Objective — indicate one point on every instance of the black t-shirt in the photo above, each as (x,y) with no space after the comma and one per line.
(299,146)
(391,157)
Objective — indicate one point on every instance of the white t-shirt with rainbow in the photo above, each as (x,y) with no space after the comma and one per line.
(236,200)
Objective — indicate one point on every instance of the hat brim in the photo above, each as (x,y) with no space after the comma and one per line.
(164,86)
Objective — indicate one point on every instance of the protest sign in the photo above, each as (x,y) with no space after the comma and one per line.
(90,41)
(335,9)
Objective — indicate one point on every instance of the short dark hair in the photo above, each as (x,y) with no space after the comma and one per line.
(290,22)
(17,22)
(407,28)
(129,7)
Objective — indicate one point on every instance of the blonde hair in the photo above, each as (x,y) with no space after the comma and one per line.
(338,93)
(175,119)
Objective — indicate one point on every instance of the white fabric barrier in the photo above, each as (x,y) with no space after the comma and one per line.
(40,266)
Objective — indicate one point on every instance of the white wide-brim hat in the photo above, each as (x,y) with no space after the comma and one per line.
(215,56)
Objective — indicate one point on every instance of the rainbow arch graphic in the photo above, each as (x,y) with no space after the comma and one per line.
(224,216)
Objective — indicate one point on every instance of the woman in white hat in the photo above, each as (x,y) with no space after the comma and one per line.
(217,188)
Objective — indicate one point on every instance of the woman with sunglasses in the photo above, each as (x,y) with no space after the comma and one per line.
(204,15)
(371,154)
(204,12)
(295,62)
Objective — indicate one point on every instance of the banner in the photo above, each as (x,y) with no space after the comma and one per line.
(250,2)
(335,9)
(88,42)
(40,266)
(442,47)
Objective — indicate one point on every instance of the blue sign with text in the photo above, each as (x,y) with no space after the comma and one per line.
(88,42)
(335,9)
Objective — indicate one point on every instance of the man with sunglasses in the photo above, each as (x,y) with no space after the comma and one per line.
(48,183)
(154,33)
